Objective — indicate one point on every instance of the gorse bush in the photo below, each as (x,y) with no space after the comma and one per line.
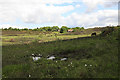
(107,31)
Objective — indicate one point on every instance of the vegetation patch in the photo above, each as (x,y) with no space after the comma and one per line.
(86,57)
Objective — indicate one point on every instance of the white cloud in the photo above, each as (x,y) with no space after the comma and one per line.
(93,4)
(77,6)
(35,1)
(13,26)
(29,12)
(99,18)
(47,14)
(36,11)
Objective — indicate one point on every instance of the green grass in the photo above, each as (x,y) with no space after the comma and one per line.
(26,38)
(100,52)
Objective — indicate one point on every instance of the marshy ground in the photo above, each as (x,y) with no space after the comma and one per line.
(85,56)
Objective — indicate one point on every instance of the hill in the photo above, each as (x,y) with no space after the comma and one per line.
(88,57)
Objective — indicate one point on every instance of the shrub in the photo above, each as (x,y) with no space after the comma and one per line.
(107,31)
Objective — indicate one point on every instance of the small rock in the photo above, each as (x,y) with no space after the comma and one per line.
(36,58)
(90,65)
(63,59)
(51,58)
(29,75)
(85,64)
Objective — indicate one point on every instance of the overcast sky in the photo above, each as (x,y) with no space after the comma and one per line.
(71,13)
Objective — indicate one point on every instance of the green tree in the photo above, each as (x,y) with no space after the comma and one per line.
(35,29)
(25,29)
(77,28)
(63,29)
(49,29)
(82,27)
(10,28)
(74,30)
(55,28)
(5,29)
(30,29)
(16,29)
(41,29)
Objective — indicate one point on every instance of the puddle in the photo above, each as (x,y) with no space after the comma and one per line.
(51,58)
(63,59)
(36,58)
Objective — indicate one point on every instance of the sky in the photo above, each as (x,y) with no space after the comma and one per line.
(70,13)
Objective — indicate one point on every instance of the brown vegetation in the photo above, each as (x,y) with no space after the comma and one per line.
(12,40)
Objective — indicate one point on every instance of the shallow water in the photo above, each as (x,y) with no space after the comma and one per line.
(51,58)
(63,59)
(36,58)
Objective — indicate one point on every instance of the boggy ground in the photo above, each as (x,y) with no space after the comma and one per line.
(92,57)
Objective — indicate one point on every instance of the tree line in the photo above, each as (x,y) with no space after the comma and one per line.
(63,29)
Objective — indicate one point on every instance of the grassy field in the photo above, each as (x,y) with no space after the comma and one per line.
(87,57)
(26,37)
(41,37)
